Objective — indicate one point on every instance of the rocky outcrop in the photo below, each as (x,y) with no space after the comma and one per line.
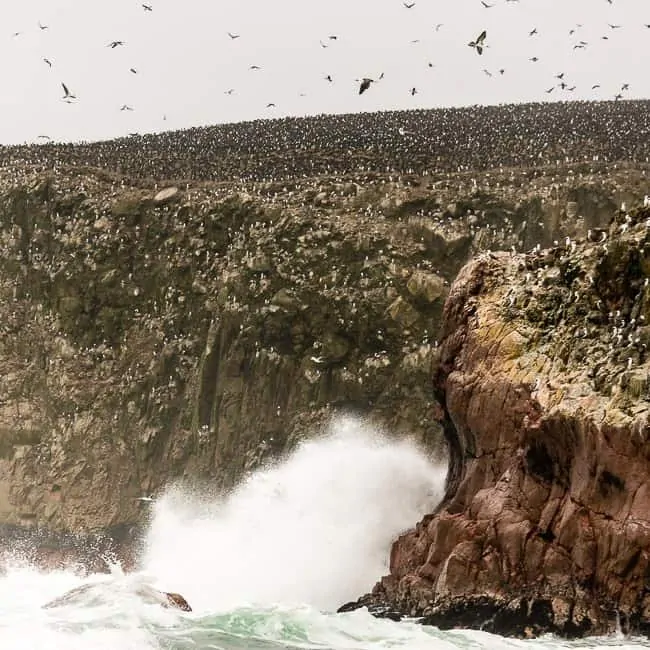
(545,379)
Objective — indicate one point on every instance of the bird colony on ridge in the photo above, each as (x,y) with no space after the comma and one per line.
(424,142)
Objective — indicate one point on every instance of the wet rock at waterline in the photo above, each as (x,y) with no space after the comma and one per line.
(94,593)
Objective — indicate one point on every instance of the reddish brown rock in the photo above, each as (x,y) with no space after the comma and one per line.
(546,522)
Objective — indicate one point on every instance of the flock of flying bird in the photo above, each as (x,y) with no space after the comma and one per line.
(479,44)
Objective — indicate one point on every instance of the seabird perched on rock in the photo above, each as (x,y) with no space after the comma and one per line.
(479,43)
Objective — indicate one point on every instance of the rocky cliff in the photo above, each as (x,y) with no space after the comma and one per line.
(157,332)
(545,379)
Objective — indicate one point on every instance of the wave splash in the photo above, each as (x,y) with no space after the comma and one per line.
(315,529)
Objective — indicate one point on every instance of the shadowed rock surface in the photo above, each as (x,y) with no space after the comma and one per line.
(546,383)
(154,331)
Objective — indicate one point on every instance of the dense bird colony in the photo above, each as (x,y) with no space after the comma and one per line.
(423,142)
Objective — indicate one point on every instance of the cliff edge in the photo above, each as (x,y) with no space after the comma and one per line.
(545,379)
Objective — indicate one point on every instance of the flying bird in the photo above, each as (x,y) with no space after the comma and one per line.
(68,94)
(43,27)
(478,44)
(48,62)
(409,5)
(270,105)
(329,78)
(147,7)
(133,70)
(255,67)
(365,84)
(533,31)
(413,91)
(233,36)
(126,107)
(486,5)
(114,44)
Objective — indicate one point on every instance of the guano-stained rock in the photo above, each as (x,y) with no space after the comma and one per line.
(545,526)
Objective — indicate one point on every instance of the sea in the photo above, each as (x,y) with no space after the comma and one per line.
(264,567)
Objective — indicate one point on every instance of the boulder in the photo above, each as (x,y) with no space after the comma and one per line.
(101,591)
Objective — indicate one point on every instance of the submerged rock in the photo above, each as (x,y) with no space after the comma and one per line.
(100,592)
(546,523)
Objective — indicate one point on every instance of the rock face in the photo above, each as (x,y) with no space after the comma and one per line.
(545,379)
(190,338)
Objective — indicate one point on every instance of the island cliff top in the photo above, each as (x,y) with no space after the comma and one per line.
(423,142)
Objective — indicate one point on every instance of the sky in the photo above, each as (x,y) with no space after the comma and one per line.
(185,61)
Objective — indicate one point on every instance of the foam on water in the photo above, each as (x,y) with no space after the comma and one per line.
(263,567)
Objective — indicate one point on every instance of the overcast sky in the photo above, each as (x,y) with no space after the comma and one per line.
(185,60)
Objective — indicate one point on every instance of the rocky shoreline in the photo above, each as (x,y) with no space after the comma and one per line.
(155,332)
(545,379)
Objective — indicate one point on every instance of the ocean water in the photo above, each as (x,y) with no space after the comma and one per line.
(264,567)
